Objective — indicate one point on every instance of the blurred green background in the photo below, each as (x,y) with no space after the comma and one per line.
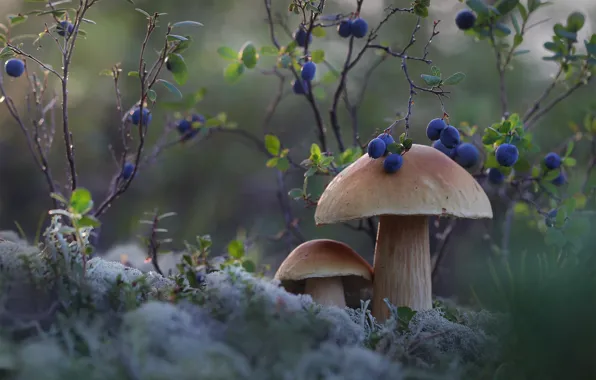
(221,185)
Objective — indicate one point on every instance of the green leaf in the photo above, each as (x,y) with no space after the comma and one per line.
(233,72)
(173,89)
(506,6)
(249,266)
(283,164)
(329,77)
(560,31)
(236,249)
(133,74)
(186,23)
(81,201)
(175,37)
(318,31)
(569,161)
(502,29)
(152,95)
(431,80)
(490,136)
(575,21)
(177,66)
(143,12)
(315,153)
(552,174)
(520,52)
(181,46)
(227,53)
(318,56)
(89,221)
(319,93)
(310,172)
(17,19)
(269,50)
(395,148)
(435,71)
(296,193)
(522,11)
(454,79)
(272,144)
(569,149)
(249,55)
(478,6)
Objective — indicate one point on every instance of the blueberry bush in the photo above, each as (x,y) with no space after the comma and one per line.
(69,312)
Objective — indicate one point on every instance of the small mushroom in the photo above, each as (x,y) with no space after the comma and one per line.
(429,183)
(329,271)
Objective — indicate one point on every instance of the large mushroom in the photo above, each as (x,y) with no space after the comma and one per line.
(327,270)
(429,183)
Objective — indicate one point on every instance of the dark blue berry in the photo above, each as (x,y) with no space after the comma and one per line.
(388,139)
(359,27)
(495,176)
(300,37)
(467,155)
(14,67)
(300,87)
(344,29)
(308,71)
(65,27)
(551,217)
(393,163)
(560,180)
(552,161)
(434,128)
(507,154)
(136,116)
(465,19)
(376,148)
(438,145)
(127,170)
(450,137)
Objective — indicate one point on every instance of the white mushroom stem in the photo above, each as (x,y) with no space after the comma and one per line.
(402,266)
(328,291)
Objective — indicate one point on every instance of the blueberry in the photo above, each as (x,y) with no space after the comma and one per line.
(495,176)
(299,87)
(393,162)
(560,180)
(14,67)
(450,137)
(551,217)
(552,161)
(387,138)
(359,27)
(300,37)
(438,145)
(465,19)
(376,148)
(136,116)
(507,154)
(434,128)
(183,126)
(344,29)
(308,71)
(467,155)
(65,27)
(127,170)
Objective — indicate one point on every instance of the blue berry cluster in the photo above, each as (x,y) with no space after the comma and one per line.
(357,27)
(187,127)
(65,28)
(379,147)
(447,140)
(552,161)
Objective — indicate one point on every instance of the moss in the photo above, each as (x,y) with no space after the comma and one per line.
(120,323)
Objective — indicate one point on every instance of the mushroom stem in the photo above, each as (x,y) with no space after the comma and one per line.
(402,266)
(328,291)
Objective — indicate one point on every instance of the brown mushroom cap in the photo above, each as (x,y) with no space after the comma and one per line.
(321,258)
(428,183)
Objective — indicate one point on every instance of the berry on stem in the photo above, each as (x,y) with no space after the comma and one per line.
(495,176)
(299,87)
(127,170)
(560,180)
(376,148)
(507,154)
(552,161)
(465,19)
(450,137)
(344,29)
(64,28)
(434,128)
(359,27)
(14,67)
(467,155)
(438,145)
(136,116)
(300,37)
(393,163)
(308,71)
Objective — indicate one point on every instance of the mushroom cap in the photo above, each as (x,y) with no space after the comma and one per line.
(428,183)
(323,258)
